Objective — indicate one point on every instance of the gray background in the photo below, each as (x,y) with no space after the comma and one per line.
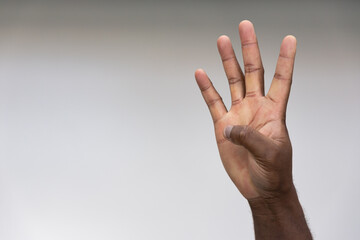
(104,134)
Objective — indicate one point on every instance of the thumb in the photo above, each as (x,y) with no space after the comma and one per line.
(246,136)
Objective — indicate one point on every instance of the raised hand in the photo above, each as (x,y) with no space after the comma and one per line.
(252,137)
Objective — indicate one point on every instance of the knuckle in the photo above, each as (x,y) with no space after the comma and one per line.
(251,94)
(214,101)
(249,68)
(236,101)
(233,80)
(204,89)
(227,59)
(281,77)
(248,43)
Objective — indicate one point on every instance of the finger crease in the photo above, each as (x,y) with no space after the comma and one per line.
(234,80)
(205,89)
(281,77)
(236,101)
(246,44)
(249,68)
(213,101)
(251,94)
(286,57)
(271,98)
(228,58)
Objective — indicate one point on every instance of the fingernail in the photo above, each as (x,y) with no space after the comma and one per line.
(227,131)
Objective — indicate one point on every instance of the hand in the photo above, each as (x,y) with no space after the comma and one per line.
(252,138)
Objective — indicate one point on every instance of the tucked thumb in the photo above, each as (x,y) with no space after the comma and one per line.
(251,139)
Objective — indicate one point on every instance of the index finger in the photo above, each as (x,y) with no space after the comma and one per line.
(280,86)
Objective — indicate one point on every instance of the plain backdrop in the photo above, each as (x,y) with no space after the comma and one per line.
(104,133)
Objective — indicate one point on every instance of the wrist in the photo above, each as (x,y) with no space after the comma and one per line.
(279,217)
(276,205)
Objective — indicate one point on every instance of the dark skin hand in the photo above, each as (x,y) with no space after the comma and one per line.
(252,137)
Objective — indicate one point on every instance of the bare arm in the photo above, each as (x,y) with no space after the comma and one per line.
(279,218)
(252,137)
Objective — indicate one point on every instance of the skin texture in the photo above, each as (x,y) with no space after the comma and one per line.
(252,137)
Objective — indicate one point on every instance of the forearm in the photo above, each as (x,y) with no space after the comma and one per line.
(279,218)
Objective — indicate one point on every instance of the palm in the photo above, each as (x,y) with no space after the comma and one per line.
(249,107)
(238,162)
